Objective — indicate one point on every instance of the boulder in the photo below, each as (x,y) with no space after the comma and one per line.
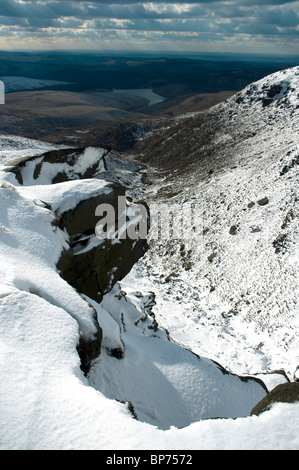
(283,393)
(264,201)
(233,230)
(89,350)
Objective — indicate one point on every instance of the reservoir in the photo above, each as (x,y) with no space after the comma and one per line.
(146,93)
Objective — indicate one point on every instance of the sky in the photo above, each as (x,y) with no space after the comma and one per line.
(249,26)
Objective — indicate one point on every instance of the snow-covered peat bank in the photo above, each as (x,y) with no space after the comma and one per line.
(139,387)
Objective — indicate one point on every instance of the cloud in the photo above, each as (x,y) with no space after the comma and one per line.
(141,23)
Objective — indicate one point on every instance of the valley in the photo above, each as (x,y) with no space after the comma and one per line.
(71,98)
(164,335)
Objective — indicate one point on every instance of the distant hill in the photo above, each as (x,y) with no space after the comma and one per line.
(55,95)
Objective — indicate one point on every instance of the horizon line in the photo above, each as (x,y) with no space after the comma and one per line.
(152,52)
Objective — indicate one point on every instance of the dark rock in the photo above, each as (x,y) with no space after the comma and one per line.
(89,350)
(263,202)
(212,256)
(118,353)
(266,102)
(130,407)
(283,393)
(233,230)
(94,271)
(274,90)
(280,244)
(289,167)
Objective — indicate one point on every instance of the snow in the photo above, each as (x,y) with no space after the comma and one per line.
(14,147)
(48,403)
(88,158)
(14,84)
(240,308)
(168,385)
(65,196)
(27,263)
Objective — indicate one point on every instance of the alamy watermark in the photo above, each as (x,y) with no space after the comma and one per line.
(2,92)
(158,221)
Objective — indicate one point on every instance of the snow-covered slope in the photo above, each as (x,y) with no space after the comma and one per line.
(232,291)
(175,386)
(14,147)
(48,403)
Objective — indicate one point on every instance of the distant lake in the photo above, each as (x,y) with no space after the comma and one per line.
(146,93)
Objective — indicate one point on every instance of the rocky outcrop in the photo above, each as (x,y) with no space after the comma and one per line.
(58,166)
(69,184)
(89,350)
(283,393)
(90,265)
